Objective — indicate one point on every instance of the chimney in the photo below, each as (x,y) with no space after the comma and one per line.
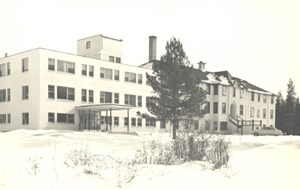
(6,54)
(201,66)
(152,48)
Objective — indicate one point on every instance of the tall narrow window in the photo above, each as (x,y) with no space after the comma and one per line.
(25,64)
(258,97)
(2,118)
(215,125)
(252,111)
(105,73)
(208,107)
(252,96)
(215,107)
(51,117)
(126,121)
(264,113)
(83,95)
(91,96)
(8,94)
(208,88)
(207,127)
(139,101)
(223,108)
(242,93)
(216,89)
(116,121)
(51,64)
(140,78)
(91,71)
(241,110)
(25,118)
(271,114)
(162,123)
(272,100)
(51,92)
(25,92)
(234,91)
(8,68)
(83,70)
(3,95)
(8,118)
(133,121)
(2,69)
(88,45)
(265,98)
(118,60)
(139,122)
(111,58)
(258,113)
(117,75)
(116,98)
(224,90)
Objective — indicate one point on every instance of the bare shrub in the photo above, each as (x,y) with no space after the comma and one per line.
(33,165)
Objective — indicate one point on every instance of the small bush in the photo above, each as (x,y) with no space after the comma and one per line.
(33,165)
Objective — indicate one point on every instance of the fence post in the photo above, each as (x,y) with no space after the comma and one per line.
(252,124)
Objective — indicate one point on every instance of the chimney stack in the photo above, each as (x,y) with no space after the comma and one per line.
(6,54)
(201,66)
(152,48)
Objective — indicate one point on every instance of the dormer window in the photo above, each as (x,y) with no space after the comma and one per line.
(88,45)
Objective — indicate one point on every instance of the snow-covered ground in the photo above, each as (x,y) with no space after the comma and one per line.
(256,163)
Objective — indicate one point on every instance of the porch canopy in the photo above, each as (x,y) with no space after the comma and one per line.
(104,107)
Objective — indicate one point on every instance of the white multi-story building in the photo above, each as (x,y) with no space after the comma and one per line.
(46,89)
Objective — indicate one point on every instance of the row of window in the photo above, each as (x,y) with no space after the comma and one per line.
(215,108)
(4,69)
(6,118)
(5,95)
(224,89)
(223,125)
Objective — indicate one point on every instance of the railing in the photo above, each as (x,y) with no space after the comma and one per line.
(239,122)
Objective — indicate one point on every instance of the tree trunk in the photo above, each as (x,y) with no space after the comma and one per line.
(174,129)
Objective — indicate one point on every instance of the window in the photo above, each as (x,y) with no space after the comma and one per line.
(196,124)
(252,111)
(51,64)
(130,100)
(133,121)
(91,71)
(252,96)
(8,94)
(51,91)
(207,127)
(105,73)
(8,68)
(88,45)
(223,125)
(150,122)
(116,98)
(272,100)
(65,118)
(234,91)
(2,70)
(65,66)
(8,118)
(91,96)
(208,88)
(25,92)
(24,64)
(264,113)
(258,98)
(215,107)
(265,98)
(224,90)
(2,95)
(215,125)
(65,93)
(216,90)
(258,113)
(242,93)
(223,108)
(271,114)
(102,120)
(126,121)
(2,118)
(117,75)
(162,124)
(25,118)
(130,77)
(140,78)
(105,97)
(208,107)
(139,120)
(51,117)
(241,110)
(116,120)
(111,58)
(83,70)
(139,101)
(118,60)
(83,95)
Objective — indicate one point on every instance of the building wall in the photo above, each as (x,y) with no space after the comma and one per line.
(16,106)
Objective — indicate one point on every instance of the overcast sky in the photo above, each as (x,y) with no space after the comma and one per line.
(256,40)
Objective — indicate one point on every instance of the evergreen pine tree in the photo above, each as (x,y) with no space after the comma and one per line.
(290,116)
(177,96)
(297,112)
(280,106)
